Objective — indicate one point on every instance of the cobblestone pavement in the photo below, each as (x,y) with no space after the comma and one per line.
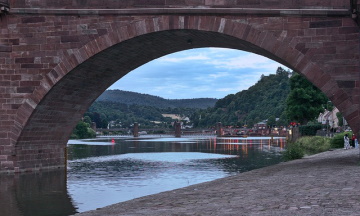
(324,184)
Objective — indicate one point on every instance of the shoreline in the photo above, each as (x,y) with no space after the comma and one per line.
(323,184)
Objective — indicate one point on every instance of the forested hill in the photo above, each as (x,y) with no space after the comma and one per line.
(265,99)
(130,98)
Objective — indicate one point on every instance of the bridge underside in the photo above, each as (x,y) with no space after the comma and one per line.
(54,66)
(55,116)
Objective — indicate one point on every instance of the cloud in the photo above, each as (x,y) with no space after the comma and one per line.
(219,74)
(241,62)
(198,73)
(180,59)
(225,89)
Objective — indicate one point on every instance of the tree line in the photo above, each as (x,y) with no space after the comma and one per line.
(278,98)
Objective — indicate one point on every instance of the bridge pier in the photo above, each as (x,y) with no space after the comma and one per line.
(219,130)
(177,126)
(136,129)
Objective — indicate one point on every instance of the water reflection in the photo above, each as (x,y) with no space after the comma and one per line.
(106,171)
(37,194)
(129,168)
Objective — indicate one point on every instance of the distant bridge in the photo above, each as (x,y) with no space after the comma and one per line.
(57,57)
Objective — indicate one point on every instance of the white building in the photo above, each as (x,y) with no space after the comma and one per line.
(330,118)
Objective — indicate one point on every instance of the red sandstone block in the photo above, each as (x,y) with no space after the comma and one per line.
(347,22)
(4,134)
(149,2)
(246,32)
(24,60)
(352,111)
(102,31)
(5,48)
(349,30)
(53,39)
(26,48)
(325,23)
(15,106)
(8,164)
(270,43)
(193,22)
(45,47)
(29,83)
(261,38)
(346,83)
(5,83)
(149,25)
(140,27)
(113,37)
(33,19)
(184,2)
(11,112)
(302,64)
(321,38)
(352,37)
(66,46)
(221,26)
(25,89)
(15,77)
(164,22)
(69,38)
(321,32)
(339,95)
(3,157)
(122,33)
(173,22)
(61,69)
(247,2)
(228,28)
(347,48)
(214,23)
(350,70)
(14,41)
(302,47)
(32,65)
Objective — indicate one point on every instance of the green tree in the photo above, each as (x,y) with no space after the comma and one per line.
(271,121)
(304,101)
(283,120)
(82,131)
(340,118)
(87,119)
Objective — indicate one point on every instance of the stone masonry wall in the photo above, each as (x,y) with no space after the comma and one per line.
(52,67)
(111,4)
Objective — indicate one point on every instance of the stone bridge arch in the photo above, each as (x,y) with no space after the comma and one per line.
(75,68)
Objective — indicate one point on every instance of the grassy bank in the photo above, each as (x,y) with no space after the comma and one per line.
(309,145)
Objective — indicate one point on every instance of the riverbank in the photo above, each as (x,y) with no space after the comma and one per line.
(324,184)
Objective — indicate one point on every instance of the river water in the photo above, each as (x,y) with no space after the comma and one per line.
(105,171)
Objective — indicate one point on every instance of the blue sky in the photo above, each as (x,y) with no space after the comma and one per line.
(198,73)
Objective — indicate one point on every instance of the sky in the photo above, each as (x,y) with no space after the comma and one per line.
(198,73)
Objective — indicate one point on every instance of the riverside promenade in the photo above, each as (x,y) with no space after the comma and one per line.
(324,184)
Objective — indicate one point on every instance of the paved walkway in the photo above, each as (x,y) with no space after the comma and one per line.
(322,184)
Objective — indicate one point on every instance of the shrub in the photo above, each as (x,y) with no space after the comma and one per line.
(293,151)
(82,131)
(309,130)
(314,144)
(91,133)
(338,140)
(306,145)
